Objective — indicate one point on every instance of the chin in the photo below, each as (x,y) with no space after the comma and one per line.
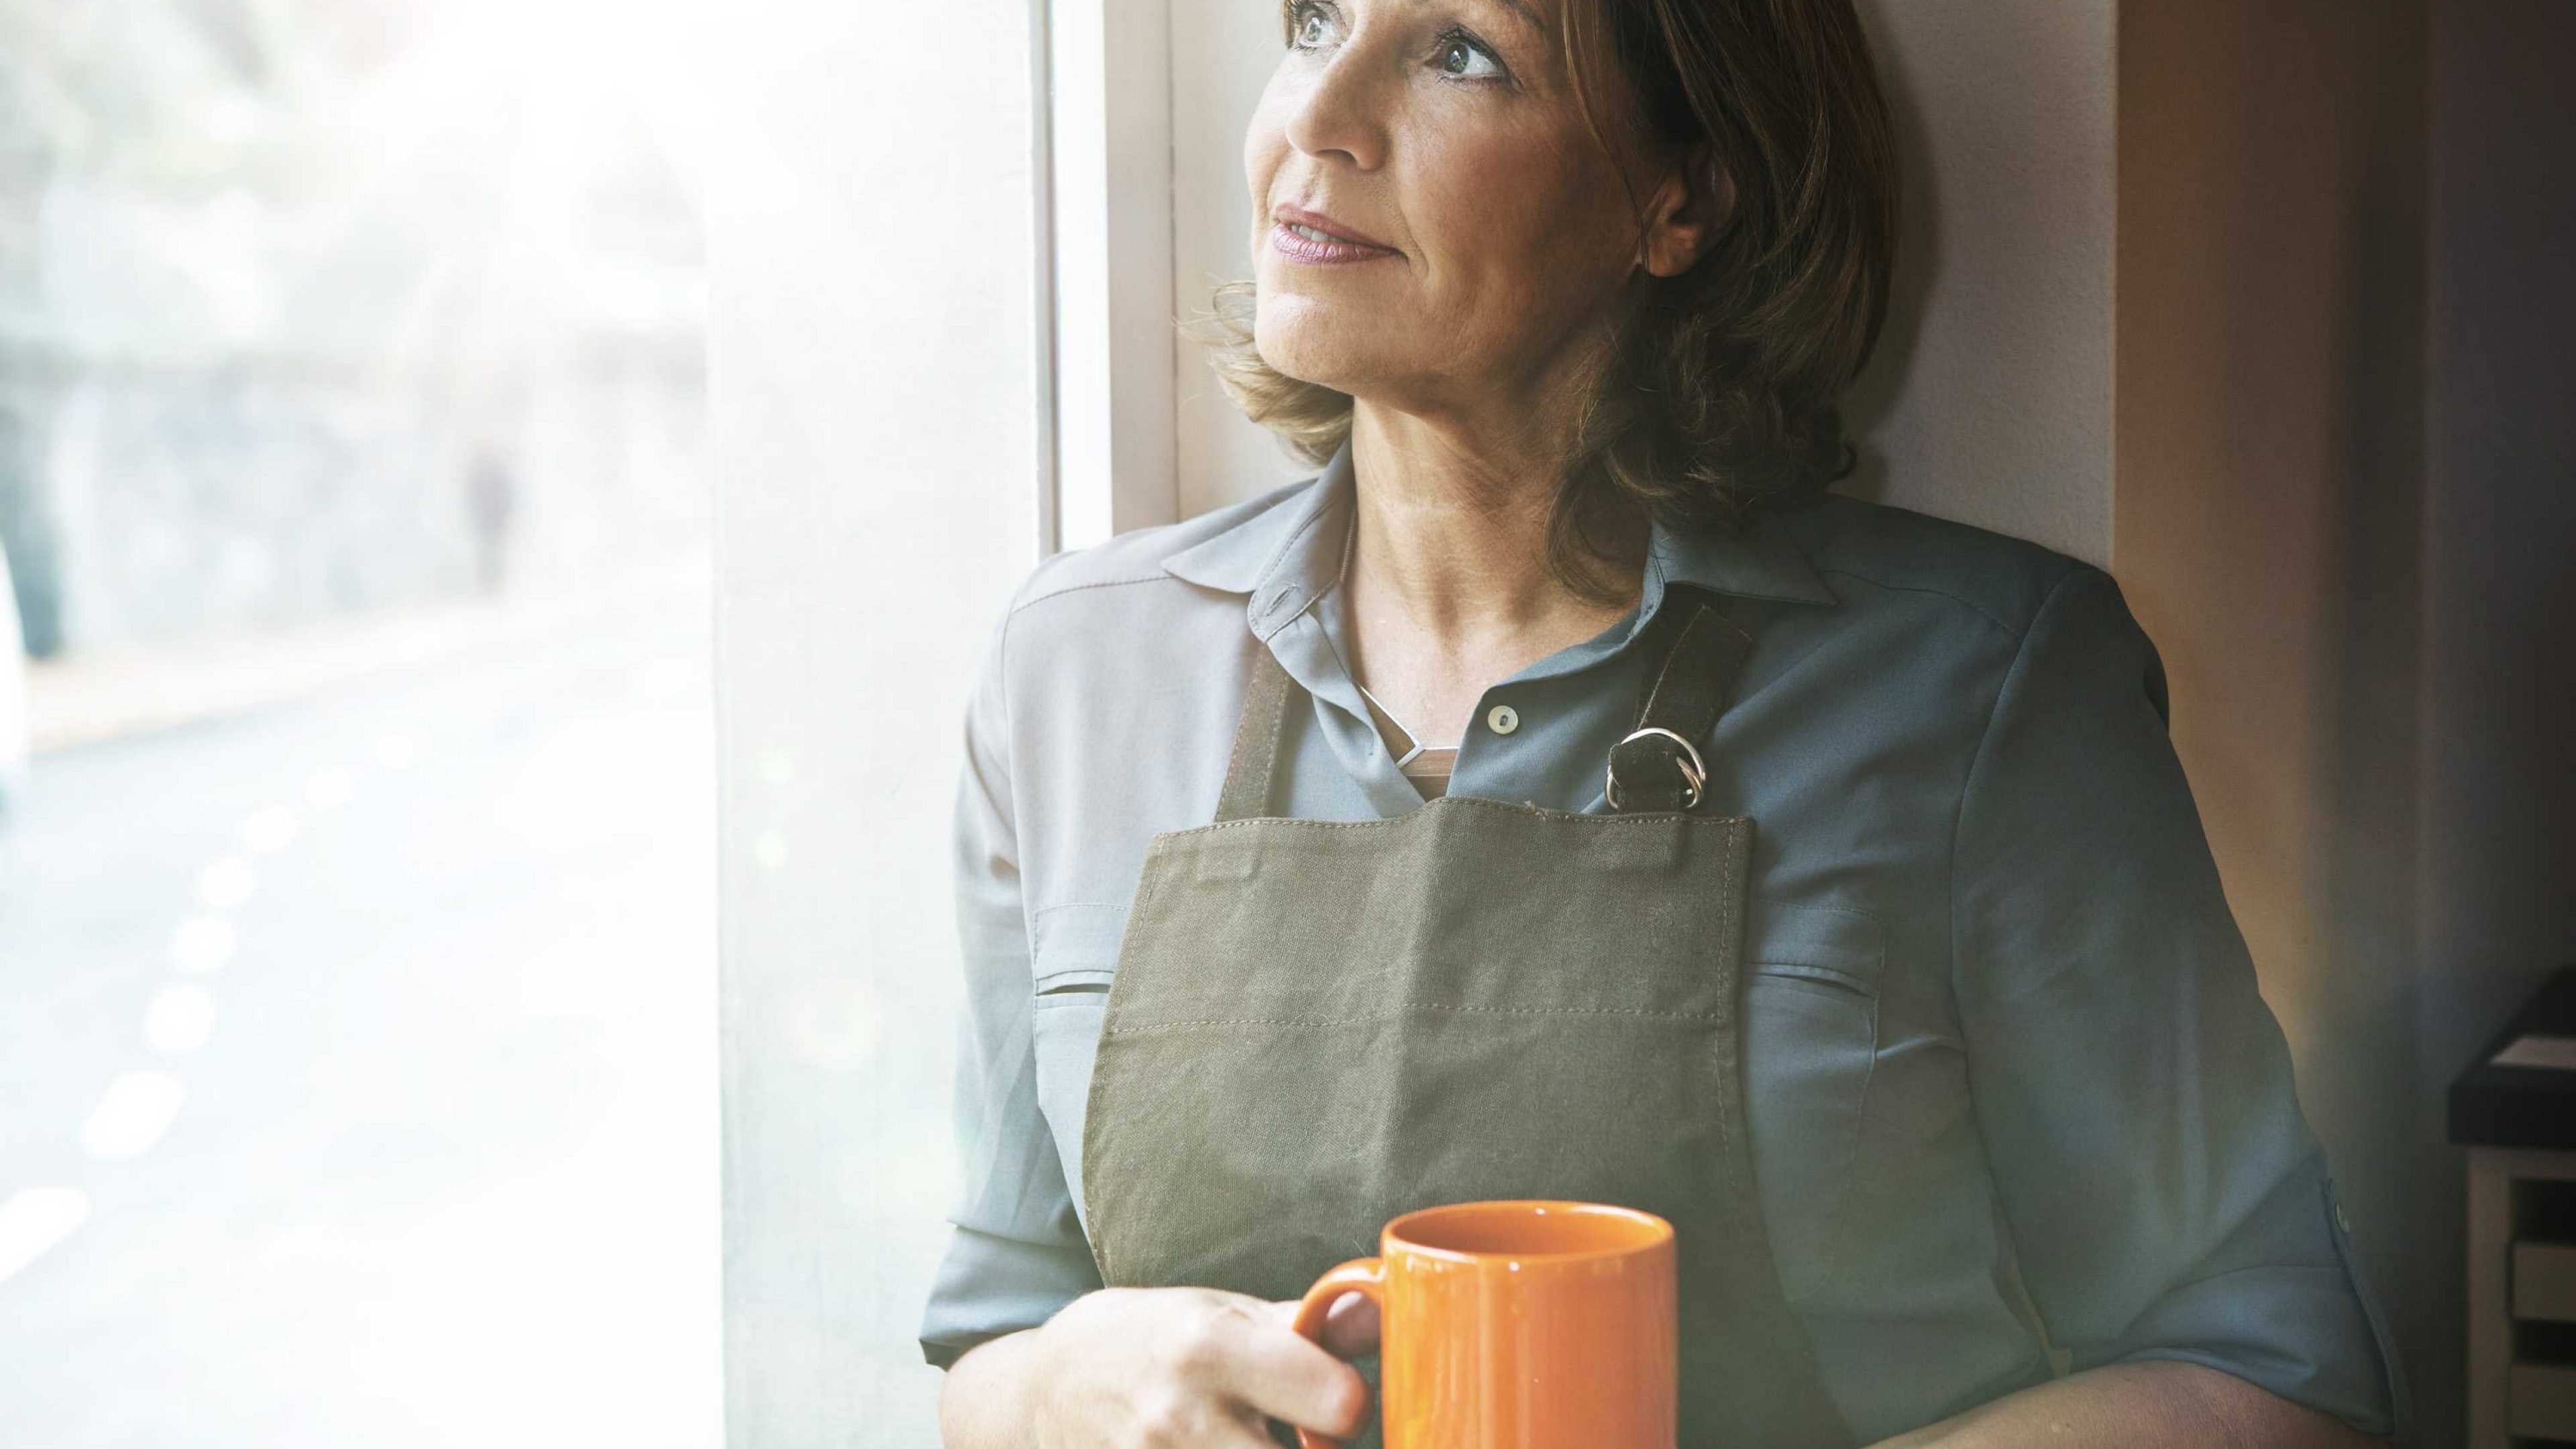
(1314,341)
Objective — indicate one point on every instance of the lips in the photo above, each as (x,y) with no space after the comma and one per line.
(1318,240)
(1287,215)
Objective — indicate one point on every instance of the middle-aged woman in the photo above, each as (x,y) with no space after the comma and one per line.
(1375,842)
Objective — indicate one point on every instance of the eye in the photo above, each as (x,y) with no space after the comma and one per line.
(1463,57)
(1308,25)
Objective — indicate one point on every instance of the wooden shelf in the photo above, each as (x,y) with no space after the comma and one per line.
(2543,1401)
(2544,1282)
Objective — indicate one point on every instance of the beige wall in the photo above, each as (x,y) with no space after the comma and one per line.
(1990,398)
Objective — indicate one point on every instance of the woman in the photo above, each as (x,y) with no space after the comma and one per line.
(1950,1057)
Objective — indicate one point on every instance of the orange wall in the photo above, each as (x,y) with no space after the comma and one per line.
(2268,472)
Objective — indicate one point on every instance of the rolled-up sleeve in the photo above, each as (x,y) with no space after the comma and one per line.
(2165,1196)
(1016,1253)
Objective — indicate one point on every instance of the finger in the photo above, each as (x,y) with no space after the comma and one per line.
(1281,1373)
(1247,1430)
(1351,1327)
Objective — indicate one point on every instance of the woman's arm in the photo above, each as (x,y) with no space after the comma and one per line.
(1017,1253)
(2164,1198)
(2159,1405)
(984,1400)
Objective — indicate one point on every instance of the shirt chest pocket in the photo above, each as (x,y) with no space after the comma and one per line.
(1811,987)
(1073,956)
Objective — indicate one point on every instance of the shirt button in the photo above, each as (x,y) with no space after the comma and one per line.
(1502,719)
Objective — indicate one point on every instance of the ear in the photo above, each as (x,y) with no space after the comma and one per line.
(1687,213)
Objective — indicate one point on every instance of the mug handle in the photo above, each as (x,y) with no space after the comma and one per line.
(1359,1275)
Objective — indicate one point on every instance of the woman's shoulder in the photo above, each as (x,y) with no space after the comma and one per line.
(1137,611)
(1898,557)
(1100,574)
(2005,606)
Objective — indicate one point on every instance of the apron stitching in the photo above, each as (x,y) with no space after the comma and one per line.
(1714,1018)
(1650,817)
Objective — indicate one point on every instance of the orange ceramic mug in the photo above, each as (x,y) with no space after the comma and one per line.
(1517,1325)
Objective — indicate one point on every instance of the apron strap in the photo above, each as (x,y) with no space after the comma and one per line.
(1658,766)
(1252,775)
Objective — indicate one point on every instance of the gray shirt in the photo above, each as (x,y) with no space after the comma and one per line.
(2008,1071)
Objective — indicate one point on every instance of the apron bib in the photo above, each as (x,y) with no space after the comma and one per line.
(1317,1025)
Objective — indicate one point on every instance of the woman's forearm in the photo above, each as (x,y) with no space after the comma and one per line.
(984,1404)
(2157,1405)
(984,1400)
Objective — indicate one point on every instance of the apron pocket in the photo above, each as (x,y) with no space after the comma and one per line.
(1811,1018)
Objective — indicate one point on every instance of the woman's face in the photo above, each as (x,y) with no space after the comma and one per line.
(1442,136)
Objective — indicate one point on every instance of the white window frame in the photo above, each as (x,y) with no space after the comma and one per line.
(1103,176)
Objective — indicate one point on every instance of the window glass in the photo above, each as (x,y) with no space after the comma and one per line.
(357,1067)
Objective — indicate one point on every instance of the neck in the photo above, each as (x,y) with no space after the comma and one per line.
(1453,530)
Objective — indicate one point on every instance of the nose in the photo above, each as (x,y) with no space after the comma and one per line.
(1340,113)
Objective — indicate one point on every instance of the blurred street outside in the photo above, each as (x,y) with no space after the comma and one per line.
(358,1077)
(357,1041)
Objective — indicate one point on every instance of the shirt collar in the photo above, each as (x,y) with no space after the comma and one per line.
(1286,555)
(1761,562)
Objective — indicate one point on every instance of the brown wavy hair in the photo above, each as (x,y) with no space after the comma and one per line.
(1718,395)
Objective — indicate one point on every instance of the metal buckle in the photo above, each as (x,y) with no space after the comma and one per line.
(1694,769)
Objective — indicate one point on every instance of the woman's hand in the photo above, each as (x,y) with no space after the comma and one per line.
(1165,1368)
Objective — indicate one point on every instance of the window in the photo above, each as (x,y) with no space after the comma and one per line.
(357,1070)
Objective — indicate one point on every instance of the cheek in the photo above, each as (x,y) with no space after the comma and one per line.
(1509,215)
(1265,146)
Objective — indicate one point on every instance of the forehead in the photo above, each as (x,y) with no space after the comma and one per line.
(1538,15)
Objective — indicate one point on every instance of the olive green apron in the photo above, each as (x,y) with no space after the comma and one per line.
(1317,1025)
